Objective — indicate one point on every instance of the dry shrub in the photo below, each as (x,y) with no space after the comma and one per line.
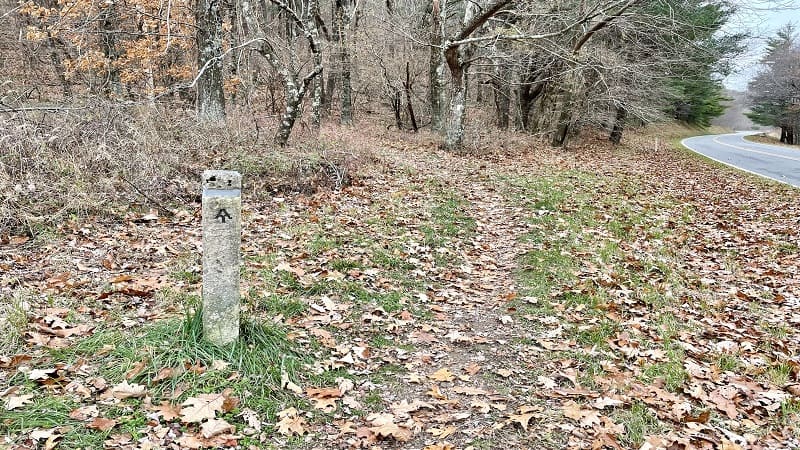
(93,160)
(109,160)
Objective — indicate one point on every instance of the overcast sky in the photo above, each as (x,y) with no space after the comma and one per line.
(760,19)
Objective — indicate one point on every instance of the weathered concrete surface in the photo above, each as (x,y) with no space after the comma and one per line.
(222,237)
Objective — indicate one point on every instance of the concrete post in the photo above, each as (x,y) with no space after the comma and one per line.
(222,237)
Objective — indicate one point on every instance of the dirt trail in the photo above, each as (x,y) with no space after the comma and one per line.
(480,342)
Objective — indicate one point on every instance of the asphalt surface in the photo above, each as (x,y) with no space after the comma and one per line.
(770,161)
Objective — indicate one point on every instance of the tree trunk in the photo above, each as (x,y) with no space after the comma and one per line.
(565,105)
(502,95)
(294,96)
(454,138)
(347,89)
(343,8)
(783,134)
(398,120)
(531,87)
(330,87)
(436,94)
(409,106)
(526,98)
(619,125)
(108,24)
(210,96)
(317,88)
(58,66)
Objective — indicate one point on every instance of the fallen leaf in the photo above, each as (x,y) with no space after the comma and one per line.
(17,401)
(219,364)
(404,407)
(466,390)
(124,390)
(41,374)
(286,383)
(135,370)
(605,402)
(84,412)
(203,406)
(444,446)
(50,437)
(291,423)
(573,410)
(323,392)
(163,374)
(442,433)
(482,407)
(192,442)
(547,383)
(505,373)
(251,418)
(701,418)
(472,368)
(168,411)
(326,405)
(442,374)
(392,430)
(522,419)
(214,427)
(102,424)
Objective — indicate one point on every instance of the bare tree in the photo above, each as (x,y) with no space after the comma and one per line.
(774,93)
(301,18)
(210,95)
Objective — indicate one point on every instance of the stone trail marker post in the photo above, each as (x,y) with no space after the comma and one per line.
(222,238)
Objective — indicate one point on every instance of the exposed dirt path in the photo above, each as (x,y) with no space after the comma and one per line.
(487,394)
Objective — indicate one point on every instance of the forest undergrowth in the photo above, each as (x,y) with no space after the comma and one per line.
(395,295)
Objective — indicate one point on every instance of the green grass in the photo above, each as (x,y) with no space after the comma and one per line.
(597,335)
(389,260)
(344,265)
(320,243)
(46,411)
(13,321)
(451,217)
(672,373)
(790,414)
(728,363)
(579,220)
(191,277)
(373,401)
(780,373)
(252,368)
(639,422)
(274,304)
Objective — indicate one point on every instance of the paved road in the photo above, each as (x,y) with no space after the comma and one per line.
(770,161)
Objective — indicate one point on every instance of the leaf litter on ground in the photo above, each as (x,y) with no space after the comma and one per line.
(596,297)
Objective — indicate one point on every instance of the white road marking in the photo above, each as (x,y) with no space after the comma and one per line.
(755,151)
(683,142)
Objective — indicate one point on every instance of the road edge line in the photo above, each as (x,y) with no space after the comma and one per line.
(683,143)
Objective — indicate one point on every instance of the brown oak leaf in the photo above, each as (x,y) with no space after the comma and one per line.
(291,423)
(216,426)
(17,401)
(102,424)
(203,406)
(125,390)
(442,374)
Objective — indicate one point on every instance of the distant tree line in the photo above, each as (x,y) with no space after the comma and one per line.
(546,67)
(774,93)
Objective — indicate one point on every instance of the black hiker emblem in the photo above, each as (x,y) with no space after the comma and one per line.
(223,214)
